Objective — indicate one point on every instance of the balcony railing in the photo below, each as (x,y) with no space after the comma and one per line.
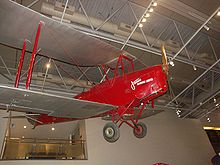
(28,148)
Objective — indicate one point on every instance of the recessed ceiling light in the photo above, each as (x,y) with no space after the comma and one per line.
(52,128)
(25,126)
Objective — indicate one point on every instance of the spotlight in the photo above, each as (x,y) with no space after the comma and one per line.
(151,10)
(216,104)
(144,20)
(141,25)
(206,27)
(208,119)
(171,63)
(154,4)
(194,67)
(25,126)
(52,128)
(48,65)
(214,100)
(147,15)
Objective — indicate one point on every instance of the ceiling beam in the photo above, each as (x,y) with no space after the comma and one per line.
(193,82)
(192,37)
(133,44)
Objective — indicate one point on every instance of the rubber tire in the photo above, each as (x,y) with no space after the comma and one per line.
(111,132)
(143,132)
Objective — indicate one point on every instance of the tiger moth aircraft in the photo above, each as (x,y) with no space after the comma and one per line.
(122,98)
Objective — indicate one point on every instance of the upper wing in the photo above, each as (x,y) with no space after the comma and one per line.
(57,40)
(53,105)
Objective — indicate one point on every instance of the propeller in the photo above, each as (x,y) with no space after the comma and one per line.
(166,69)
(164,60)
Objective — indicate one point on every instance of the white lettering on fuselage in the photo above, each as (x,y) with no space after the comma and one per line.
(138,82)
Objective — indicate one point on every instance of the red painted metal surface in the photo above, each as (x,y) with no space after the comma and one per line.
(20,64)
(126,91)
(141,86)
(30,70)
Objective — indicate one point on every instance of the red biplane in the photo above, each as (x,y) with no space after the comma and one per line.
(121,98)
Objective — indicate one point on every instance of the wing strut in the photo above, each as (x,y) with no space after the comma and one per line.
(33,55)
(20,64)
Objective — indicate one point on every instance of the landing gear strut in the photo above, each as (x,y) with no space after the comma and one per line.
(111,130)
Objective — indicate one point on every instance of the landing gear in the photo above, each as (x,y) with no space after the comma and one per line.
(124,115)
(140,130)
(111,132)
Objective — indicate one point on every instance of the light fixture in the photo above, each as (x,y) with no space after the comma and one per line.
(218,14)
(214,100)
(200,103)
(171,63)
(143,20)
(22,137)
(52,128)
(154,4)
(141,25)
(208,119)
(194,67)
(151,10)
(216,104)
(147,15)
(206,27)
(178,113)
(48,65)
(25,126)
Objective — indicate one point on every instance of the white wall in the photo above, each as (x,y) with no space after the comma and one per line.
(169,140)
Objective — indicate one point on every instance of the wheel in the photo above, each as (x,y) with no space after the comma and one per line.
(111,132)
(140,131)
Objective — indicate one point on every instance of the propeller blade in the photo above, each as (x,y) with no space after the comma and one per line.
(164,60)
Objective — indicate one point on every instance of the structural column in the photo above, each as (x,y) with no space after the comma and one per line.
(3,129)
